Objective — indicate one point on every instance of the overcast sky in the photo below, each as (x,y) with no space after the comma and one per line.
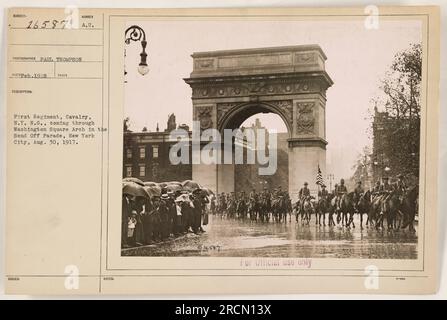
(357,59)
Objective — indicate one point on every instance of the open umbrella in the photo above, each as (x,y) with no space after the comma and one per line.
(150,184)
(134,189)
(207,191)
(178,183)
(135,180)
(183,198)
(153,190)
(174,187)
(190,185)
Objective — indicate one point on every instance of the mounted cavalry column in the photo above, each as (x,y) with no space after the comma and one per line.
(230,86)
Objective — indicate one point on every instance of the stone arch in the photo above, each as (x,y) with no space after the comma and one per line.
(228,86)
(238,113)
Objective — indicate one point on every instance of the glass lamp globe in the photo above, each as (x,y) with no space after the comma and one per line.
(143,69)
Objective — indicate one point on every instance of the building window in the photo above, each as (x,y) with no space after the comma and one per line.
(155,151)
(142,152)
(142,170)
(155,171)
(129,153)
(128,171)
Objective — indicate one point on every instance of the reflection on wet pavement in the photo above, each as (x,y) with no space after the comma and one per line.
(236,238)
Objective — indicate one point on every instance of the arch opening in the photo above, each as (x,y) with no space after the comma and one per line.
(246,177)
(241,113)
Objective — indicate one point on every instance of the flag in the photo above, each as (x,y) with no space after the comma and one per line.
(319,178)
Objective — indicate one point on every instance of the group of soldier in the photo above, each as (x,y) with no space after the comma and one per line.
(150,220)
(241,203)
(230,202)
(382,188)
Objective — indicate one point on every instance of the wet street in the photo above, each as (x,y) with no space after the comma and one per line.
(236,238)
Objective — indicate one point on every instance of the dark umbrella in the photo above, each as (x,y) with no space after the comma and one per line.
(150,184)
(174,187)
(135,180)
(190,185)
(208,191)
(178,183)
(134,189)
(153,190)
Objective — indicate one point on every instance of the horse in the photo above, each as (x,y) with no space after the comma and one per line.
(347,208)
(332,210)
(265,207)
(308,208)
(364,206)
(409,207)
(390,209)
(253,209)
(323,206)
(279,208)
(241,209)
(231,208)
(289,208)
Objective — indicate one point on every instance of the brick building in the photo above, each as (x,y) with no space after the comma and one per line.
(146,155)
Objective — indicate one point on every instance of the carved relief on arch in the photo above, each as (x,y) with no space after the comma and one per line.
(204,114)
(261,88)
(305,118)
(222,109)
(285,107)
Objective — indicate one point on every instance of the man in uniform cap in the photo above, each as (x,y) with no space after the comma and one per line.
(376,189)
(385,191)
(401,186)
(303,194)
(323,193)
(340,191)
(358,192)
(385,188)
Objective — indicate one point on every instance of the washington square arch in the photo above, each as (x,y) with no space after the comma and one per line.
(232,85)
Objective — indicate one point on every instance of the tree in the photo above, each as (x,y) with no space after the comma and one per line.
(400,124)
(361,169)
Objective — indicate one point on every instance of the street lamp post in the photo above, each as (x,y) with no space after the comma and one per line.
(137,34)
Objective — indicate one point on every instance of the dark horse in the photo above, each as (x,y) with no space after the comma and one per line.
(390,209)
(279,209)
(265,207)
(241,209)
(364,206)
(347,209)
(306,209)
(253,209)
(323,207)
(409,206)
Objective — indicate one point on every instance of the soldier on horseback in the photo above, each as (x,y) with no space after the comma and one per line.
(376,189)
(385,192)
(358,192)
(253,196)
(323,193)
(334,192)
(401,186)
(302,195)
(340,191)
